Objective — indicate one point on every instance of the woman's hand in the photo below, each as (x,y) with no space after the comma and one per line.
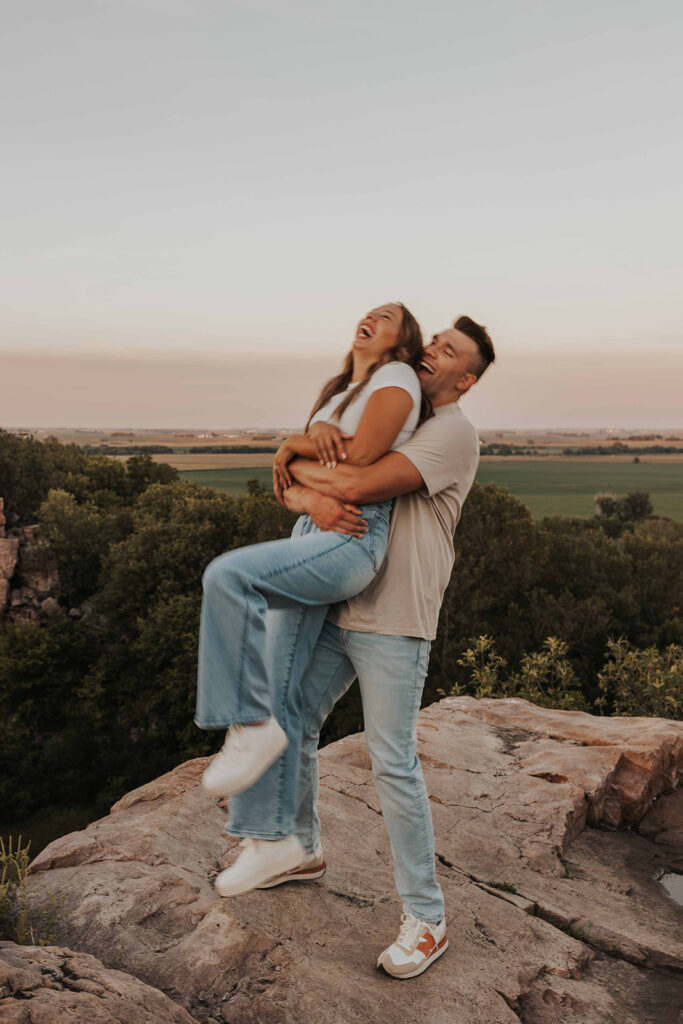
(282,478)
(329,443)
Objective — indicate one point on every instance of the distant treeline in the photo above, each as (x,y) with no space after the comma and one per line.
(509,449)
(618,448)
(127,449)
(163,449)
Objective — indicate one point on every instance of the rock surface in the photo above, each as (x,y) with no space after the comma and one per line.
(548,839)
(28,573)
(47,985)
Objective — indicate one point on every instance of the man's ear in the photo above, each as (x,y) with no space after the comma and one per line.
(466,382)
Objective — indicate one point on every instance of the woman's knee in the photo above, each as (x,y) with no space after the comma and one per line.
(220,572)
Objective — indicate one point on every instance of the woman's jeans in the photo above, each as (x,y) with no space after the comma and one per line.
(240,673)
(391,671)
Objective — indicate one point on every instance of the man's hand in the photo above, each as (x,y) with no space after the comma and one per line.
(327,513)
(339,516)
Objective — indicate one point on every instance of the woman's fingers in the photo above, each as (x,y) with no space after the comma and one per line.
(338,445)
(330,453)
(283,475)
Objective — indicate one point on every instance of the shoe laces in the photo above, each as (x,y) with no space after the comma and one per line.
(411,930)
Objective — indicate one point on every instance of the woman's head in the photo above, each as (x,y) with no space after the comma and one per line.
(389,333)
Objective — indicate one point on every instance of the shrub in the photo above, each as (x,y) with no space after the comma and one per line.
(642,682)
(20,920)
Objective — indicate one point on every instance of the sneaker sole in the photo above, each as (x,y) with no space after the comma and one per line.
(439,951)
(296,875)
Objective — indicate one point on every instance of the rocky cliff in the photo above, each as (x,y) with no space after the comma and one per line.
(28,573)
(551,827)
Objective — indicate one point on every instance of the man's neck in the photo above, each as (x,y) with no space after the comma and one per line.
(445,400)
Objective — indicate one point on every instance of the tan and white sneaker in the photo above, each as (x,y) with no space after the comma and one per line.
(312,866)
(418,945)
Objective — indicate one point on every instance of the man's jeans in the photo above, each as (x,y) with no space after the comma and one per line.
(391,672)
(237,681)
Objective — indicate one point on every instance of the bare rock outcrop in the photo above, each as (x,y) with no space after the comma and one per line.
(551,827)
(49,985)
(28,573)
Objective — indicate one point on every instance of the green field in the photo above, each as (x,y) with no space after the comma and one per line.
(548,488)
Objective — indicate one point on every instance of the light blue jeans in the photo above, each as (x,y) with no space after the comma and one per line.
(391,671)
(241,678)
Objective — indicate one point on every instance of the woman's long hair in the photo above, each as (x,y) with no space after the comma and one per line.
(408,349)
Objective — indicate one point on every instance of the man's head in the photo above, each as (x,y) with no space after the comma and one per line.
(455,360)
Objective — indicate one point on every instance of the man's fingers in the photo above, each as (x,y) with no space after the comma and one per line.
(354,508)
(356,527)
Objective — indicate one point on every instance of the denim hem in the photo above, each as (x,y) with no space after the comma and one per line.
(243,833)
(222,724)
(406,909)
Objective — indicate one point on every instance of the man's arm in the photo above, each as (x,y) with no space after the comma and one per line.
(390,476)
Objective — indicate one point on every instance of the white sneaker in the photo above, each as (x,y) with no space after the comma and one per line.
(259,861)
(312,866)
(418,945)
(247,752)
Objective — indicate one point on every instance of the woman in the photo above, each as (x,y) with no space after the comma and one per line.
(376,402)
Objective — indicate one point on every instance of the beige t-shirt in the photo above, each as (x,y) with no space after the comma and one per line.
(405,596)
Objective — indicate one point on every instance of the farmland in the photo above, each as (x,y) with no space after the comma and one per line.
(546,478)
(548,487)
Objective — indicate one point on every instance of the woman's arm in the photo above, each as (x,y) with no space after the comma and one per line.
(384,415)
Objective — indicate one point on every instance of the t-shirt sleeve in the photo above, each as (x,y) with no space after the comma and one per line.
(396,375)
(443,450)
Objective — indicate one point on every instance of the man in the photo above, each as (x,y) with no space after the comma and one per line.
(382,636)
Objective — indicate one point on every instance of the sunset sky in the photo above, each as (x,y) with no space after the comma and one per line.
(200,200)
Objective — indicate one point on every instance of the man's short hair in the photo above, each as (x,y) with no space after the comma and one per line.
(480,336)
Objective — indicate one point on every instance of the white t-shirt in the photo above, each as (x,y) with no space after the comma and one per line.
(391,375)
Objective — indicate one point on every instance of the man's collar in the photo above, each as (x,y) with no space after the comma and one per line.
(445,408)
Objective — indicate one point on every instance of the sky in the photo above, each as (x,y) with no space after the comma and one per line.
(201,199)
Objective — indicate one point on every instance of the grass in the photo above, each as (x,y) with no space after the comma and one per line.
(568,487)
(548,488)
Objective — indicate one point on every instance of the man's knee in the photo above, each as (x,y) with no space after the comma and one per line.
(395,766)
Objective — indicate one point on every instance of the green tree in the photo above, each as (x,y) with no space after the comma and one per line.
(616,514)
